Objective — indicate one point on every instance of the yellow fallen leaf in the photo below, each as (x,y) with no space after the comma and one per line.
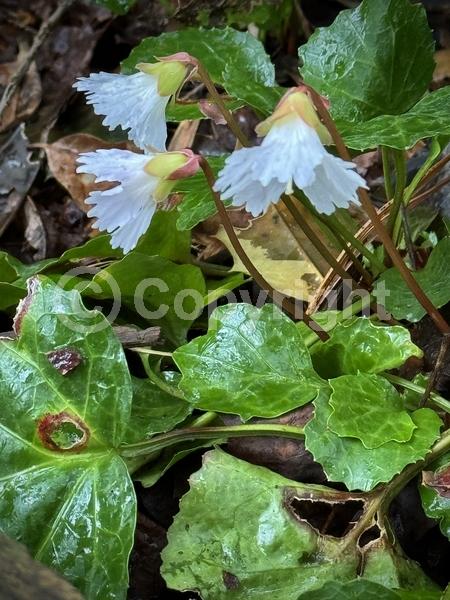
(277,256)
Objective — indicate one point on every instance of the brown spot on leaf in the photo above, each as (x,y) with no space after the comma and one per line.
(230,581)
(439,481)
(63,432)
(65,360)
(24,305)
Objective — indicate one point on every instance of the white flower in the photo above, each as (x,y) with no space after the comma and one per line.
(292,152)
(136,102)
(143,180)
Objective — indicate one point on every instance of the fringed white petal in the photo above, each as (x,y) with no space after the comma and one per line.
(131,102)
(238,182)
(335,185)
(258,176)
(290,153)
(125,210)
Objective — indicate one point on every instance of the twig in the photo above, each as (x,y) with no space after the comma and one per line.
(129,337)
(41,36)
(445,344)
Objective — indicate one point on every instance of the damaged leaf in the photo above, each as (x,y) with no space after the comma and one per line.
(64,492)
(252,362)
(235,537)
(243,532)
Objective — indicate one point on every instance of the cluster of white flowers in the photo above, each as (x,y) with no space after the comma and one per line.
(291,153)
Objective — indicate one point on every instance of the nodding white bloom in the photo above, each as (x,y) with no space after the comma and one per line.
(292,152)
(138,102)
(143,181)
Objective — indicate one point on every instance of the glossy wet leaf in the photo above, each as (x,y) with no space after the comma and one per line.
(392,292)
(234,59)
(160,291)
(235,537)
(360,345)
(75,511)
(369,408)
(364,589)
(426,119)
(356,61)
(435,493)
(252,362)
(347,460)
(153,411)
(197,203)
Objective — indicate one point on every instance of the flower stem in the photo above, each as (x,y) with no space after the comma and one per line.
(227,115)
(276,296)
(389,245)
(165,440)
(315,240)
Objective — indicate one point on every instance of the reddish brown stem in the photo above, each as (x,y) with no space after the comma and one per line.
(394,254)
(276,296)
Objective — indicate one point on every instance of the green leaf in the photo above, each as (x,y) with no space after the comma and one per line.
(160,291)
(363,589)
(392,292)
(361,345)
(252,362)
(64,491)
(428,118)
(119,7)
(153,411)
(164,238)
(234,59)
(10,294)
(369,408)
(197,204)
(236,537)
(376,59)
(435,493)
(347,460)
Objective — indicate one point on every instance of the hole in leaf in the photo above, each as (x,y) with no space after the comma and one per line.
(369,535)
(329,518)
(63,432)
